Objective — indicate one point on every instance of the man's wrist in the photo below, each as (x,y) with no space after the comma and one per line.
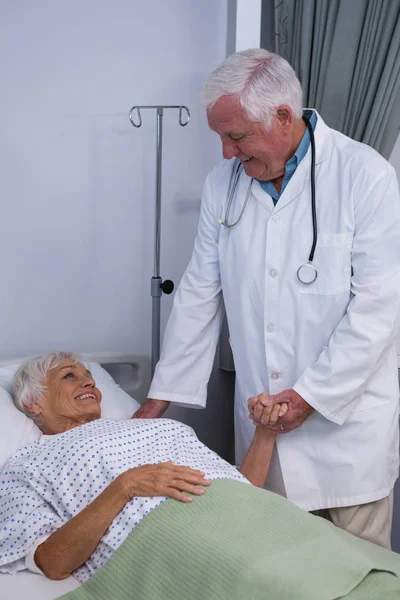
(159,406)
(152,409)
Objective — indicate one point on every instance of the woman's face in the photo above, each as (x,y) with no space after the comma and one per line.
(71,398)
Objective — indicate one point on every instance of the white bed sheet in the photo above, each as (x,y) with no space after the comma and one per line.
(35,587)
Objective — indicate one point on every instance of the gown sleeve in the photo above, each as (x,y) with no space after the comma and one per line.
(26,521)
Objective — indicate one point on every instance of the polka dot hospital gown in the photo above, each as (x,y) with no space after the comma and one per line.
(48,482)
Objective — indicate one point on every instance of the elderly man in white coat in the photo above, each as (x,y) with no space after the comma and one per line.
(321,337)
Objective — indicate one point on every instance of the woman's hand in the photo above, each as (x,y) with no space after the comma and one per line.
(263,411)
(163,479)
(266,414)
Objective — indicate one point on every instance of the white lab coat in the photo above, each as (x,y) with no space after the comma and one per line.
(333,341)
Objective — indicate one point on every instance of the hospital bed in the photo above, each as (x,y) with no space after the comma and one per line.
(123,379)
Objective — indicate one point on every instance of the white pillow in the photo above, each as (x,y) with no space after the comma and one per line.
(17,430)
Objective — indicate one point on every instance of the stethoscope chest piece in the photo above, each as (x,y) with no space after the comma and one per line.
(307,273)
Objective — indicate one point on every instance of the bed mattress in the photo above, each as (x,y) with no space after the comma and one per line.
(25,585)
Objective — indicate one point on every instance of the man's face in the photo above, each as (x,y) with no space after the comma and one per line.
(262,152)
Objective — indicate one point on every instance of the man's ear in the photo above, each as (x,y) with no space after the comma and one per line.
(285,117)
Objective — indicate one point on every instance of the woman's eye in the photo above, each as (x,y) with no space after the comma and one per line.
(69,375)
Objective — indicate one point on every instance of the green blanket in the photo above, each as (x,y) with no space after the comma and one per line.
(238,542)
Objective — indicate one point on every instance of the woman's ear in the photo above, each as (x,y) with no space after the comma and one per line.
(34,409)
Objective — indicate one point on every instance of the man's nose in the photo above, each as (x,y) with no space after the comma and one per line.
(229,149)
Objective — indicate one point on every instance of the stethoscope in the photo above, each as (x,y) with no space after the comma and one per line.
(306,273)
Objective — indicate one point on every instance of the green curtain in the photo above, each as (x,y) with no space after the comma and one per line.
(346,54)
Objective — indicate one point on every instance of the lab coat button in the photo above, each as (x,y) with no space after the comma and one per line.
(273,273)
(270,327)
(274,375)
(276,219)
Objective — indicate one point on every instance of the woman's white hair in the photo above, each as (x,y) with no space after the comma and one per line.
(29,382)
(260,80)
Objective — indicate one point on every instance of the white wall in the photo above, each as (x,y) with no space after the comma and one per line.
(77,180)
(248,24)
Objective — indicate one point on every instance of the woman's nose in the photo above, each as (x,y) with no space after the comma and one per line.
(88,381)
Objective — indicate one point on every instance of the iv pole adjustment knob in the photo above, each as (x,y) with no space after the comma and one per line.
(167,286)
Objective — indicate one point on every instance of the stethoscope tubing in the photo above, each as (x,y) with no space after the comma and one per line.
(233,186)
(313,203)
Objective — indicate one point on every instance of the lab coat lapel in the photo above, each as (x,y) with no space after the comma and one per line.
(263,198)
(298,182)
(301,178)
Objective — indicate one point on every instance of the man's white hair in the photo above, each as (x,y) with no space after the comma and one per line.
(30,380)
(260,80)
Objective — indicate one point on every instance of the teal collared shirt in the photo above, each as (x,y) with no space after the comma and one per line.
(293,162)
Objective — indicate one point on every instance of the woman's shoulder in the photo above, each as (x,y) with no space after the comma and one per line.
(22,456)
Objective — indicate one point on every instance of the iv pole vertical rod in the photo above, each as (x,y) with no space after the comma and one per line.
(156,279)
(158,193)
(158,287)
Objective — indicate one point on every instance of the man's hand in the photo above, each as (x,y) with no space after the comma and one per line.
(151,409)
(261,410)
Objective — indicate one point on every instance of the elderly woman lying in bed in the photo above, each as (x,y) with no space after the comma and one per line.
(70,500)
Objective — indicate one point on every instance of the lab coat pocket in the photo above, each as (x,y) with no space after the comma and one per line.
(332,259)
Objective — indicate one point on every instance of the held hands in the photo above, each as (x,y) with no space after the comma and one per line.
(163,479)
(279,413)
(265,415)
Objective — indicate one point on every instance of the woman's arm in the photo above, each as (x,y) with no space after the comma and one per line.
(256,463)
(69,547)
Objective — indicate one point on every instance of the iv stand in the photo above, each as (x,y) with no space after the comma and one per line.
(157,285)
